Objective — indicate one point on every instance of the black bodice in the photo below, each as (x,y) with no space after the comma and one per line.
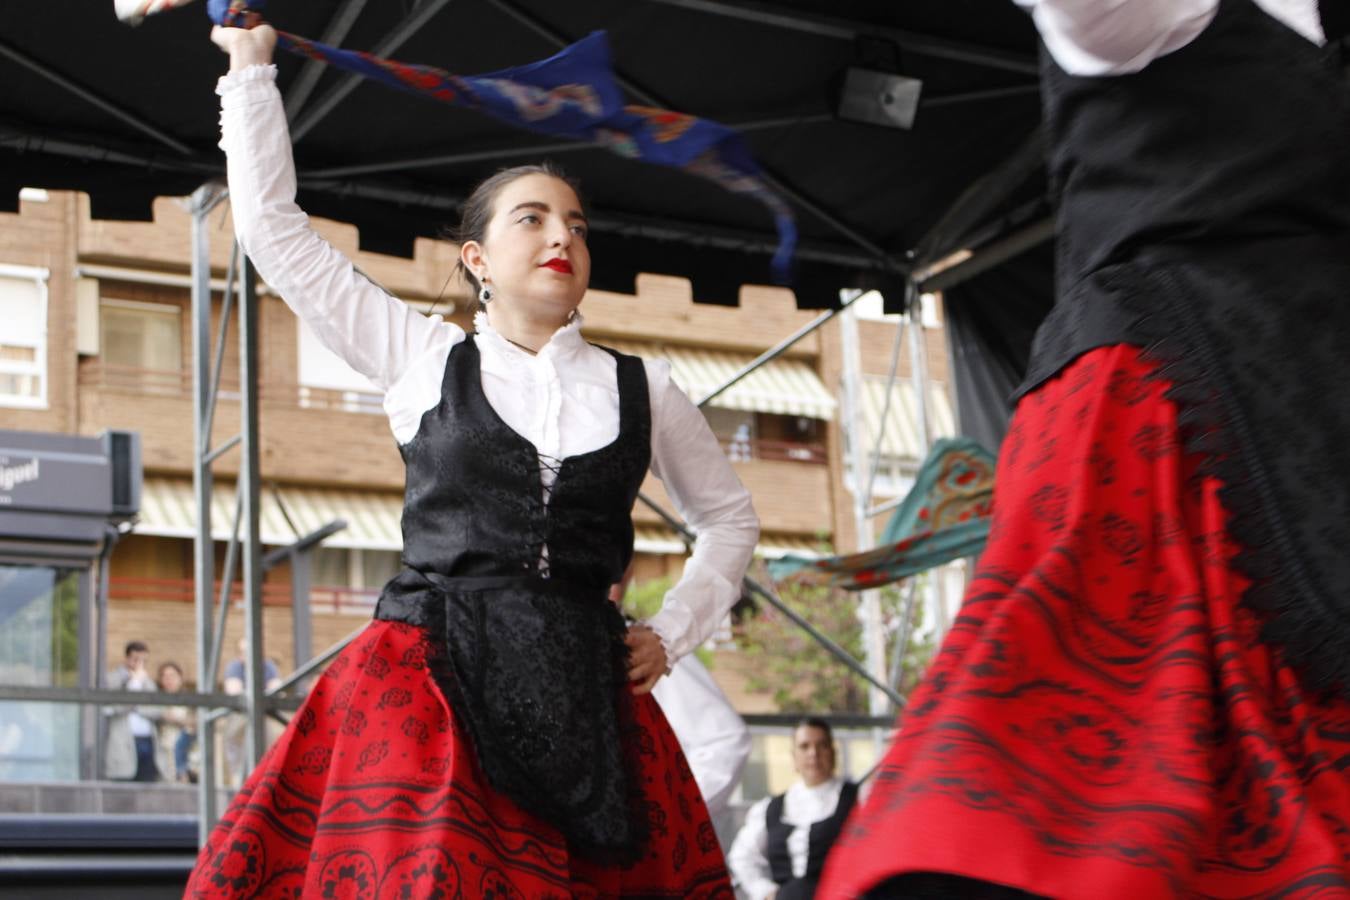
(1232,138)
(1204,215)
(511,586)
(474,504)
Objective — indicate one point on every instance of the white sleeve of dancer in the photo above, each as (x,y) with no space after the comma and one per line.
(373,332)
(1116,37)
(748,858)
(717,508)
(711,733)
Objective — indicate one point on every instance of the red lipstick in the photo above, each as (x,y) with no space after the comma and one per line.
(559,265)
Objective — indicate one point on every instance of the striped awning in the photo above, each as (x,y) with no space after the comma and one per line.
(169,509)
(658,540)
(373,519)
(901,437)
(785,387)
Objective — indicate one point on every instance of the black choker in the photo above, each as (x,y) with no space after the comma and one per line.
(521,346)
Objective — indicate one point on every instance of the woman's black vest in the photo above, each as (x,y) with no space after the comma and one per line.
(530,657)
(1204,214)
(822,836)
(474,503)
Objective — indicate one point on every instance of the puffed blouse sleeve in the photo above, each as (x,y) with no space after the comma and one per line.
(701,482)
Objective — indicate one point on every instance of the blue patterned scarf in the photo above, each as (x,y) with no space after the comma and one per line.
(572,94)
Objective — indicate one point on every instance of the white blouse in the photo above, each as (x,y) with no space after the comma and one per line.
(1115,37)
(564,400)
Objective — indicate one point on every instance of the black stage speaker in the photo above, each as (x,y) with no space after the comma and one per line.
(123,449)
(878,98)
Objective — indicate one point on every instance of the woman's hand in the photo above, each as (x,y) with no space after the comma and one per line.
(246,46)
(646,658)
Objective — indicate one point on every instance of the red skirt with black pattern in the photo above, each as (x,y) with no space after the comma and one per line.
(374,792)
(1103,720)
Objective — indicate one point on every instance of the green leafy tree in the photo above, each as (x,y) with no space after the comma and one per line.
(800,674)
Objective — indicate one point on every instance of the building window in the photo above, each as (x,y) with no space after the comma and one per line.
(351,568)
(378,567)
(142,345)
(894,476)
(748,436)
(789,438)
(347,580)
(327,382)
(23,340)
(870,308)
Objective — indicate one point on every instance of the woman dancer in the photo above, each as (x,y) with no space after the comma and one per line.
(1145,694)
(481,738)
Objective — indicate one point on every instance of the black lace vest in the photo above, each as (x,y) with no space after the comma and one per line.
(474,503)
(530,657)
(822,836)
(1204,215)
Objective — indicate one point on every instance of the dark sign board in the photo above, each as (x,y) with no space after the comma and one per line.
(57,486)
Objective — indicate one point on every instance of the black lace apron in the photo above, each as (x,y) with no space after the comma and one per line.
(530,655)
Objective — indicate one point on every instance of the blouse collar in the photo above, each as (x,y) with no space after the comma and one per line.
(566,341)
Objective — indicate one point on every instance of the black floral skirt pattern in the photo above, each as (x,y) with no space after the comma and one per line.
(374,791)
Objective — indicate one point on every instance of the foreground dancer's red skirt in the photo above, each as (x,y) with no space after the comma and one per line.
(1102,721)
(373,792)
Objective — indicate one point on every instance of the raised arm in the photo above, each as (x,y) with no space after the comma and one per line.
(374,333)
(712,500)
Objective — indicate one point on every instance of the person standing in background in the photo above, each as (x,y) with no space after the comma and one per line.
(130,745)
(780,851)
(235,732)
(177,732)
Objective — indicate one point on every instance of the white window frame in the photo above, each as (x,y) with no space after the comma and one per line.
(869,308)
(38,367)
(318,368)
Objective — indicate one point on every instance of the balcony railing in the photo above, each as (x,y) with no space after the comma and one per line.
(98,375)
(336,600)
(781,451)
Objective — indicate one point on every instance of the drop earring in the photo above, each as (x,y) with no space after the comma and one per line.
(485,294)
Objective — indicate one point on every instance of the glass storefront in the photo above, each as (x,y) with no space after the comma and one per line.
(39,647)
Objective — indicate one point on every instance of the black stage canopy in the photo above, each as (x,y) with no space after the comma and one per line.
(127,114)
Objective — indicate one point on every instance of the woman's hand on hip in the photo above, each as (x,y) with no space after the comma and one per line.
(646,658)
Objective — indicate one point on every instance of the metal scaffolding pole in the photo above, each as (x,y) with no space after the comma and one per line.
(250,491)
(206,369)
(203,200)
(869,602)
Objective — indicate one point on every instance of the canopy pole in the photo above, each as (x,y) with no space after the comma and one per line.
(869,605)
(203,201)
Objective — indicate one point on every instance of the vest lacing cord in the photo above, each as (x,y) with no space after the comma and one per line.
(552,465)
